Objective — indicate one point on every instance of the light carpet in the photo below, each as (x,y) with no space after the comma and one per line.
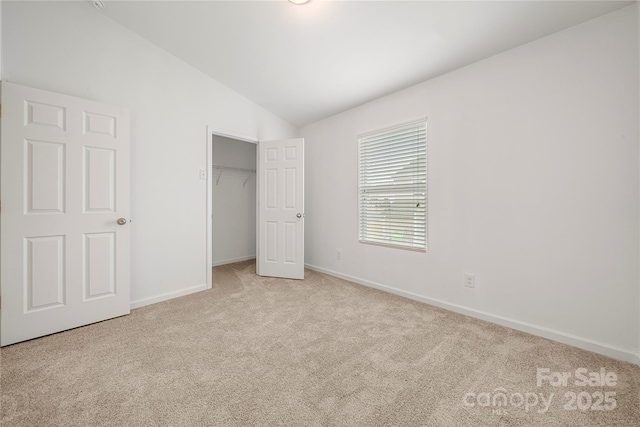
(256,351)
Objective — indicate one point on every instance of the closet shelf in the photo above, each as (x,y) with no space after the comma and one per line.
(222,168)
(230,168)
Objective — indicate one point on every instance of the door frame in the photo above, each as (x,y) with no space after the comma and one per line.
(211,132)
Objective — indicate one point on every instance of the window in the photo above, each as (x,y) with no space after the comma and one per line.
(393,187)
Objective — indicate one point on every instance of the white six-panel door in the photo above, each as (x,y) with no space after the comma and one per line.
(281,209)
(64,186)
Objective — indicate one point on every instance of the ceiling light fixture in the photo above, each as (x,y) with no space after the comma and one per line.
(299,1)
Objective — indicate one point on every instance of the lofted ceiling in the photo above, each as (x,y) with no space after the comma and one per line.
(305,63)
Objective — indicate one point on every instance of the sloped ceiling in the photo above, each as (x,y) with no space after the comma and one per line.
(305,63)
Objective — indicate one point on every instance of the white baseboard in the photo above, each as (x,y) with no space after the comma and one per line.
(167,296)
(231,261)
(554,335)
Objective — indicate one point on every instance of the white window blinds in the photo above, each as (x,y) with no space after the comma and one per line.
(393,187)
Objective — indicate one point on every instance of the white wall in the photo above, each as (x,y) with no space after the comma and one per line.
(533,187)
(0,39)
(234,202)
(69,47)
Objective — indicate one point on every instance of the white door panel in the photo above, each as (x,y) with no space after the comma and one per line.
(281,208)
(64,184)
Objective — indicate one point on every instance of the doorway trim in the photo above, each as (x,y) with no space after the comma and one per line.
(211,132)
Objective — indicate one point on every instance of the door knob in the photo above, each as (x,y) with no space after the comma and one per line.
(122,221)
(299,215)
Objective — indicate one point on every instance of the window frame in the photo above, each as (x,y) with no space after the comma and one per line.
(362,238)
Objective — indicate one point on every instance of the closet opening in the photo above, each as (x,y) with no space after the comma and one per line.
(233,196)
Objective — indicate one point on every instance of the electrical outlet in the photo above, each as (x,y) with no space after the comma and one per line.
(469,280)
(339,254)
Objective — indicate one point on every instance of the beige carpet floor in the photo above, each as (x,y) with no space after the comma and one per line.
(257,351)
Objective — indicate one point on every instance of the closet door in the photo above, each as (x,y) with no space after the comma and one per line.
(281,209)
